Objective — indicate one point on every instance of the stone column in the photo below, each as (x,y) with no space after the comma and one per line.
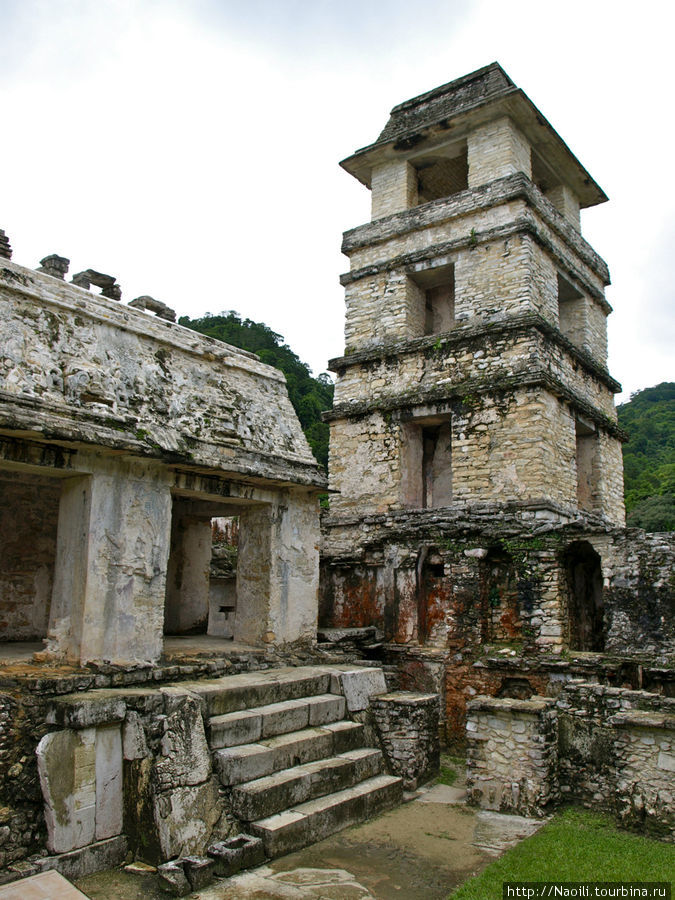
(393,188)
(278,570)
(495,150)
(111,558)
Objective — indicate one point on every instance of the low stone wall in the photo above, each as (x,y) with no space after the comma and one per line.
(617,751)
(407,726)
(512,754)
(606,747)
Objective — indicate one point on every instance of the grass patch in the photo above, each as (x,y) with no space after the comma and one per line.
(575,845)
(448,771)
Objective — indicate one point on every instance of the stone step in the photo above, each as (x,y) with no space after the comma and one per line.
(246,762)
(266,796)
(253,689)
(250,725)
(310,822)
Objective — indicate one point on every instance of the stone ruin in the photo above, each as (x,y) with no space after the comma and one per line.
(164,696)
(122,436)
(477,519)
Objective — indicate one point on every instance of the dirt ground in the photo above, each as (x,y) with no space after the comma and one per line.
(420,851)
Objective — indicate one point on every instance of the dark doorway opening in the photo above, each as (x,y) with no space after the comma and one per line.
(583,574)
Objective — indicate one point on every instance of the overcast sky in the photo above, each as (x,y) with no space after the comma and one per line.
(190,147)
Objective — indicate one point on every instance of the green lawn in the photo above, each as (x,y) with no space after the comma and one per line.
(575,846)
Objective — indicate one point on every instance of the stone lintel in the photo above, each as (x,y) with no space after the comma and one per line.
(507,704)
(87,710)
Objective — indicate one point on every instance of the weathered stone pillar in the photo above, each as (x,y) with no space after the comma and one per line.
(495,150)
(277,570)
(187,578)
(394,188)
(111,557)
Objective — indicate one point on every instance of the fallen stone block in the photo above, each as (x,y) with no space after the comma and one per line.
(172,878)
(241,852)
(199,871)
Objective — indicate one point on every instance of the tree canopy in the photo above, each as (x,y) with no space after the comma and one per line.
(649,457)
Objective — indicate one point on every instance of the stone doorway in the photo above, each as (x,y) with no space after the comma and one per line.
(583,575)
(217,565)
(29,512)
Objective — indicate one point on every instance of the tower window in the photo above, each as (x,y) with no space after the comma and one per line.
(435,298)
(427,463)
(572,312)
(586,458)
(439,177)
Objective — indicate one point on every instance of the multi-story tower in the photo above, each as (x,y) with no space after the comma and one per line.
(473,395)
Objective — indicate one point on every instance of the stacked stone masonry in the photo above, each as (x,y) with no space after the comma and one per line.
(609,748)
(475,454)
(512,754)
(407,725)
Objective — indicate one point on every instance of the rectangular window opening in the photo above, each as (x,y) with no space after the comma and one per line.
(572,313)
(586,459)
(427,471)
(442,175)
(435,289)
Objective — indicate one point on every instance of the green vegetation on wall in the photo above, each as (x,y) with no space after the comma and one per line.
(649,457)
(310,396)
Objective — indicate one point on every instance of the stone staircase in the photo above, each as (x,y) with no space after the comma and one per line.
(296,768)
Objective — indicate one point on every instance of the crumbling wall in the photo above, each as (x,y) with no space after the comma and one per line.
(407,725)
(609,748)
(617,751)
(639,593)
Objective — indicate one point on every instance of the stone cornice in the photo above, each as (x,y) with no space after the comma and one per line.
(465,333)
(498,192)
(475,387)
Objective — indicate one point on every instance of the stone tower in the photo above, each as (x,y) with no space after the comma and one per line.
(473,405)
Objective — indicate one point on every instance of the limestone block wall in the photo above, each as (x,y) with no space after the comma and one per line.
(512,754)
(645,757)
(496,149)
(29,507)
(566,202)
(449,592)
(364,462)
(472,358)
(407,725)
(393,187)
(610,479)
(609,748)
(507,254)
(517,447)
(637,568)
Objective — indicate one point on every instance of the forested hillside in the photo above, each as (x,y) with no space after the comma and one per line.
(309,395)
(649,457)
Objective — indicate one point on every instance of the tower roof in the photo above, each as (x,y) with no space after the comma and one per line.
(448,112)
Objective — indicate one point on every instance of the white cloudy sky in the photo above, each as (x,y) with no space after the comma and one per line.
(190,147)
